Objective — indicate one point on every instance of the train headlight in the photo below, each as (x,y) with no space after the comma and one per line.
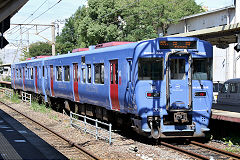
(153,94)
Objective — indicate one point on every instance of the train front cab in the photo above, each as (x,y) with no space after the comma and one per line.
(173,91)
(230,92)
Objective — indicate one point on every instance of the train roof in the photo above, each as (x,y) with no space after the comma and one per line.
(235,80)
(107,49)
(100,50)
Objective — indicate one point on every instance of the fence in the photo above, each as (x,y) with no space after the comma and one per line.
(26,97)
(89,128)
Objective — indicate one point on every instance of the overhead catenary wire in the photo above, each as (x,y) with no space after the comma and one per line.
(38,17)
(29,16)
(126,6)
(45,11)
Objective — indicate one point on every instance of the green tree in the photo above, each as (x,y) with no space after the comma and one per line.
(37,49)
(67,40)
(122,20)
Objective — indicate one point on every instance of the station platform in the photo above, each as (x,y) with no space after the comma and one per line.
(229,113)
(18,142)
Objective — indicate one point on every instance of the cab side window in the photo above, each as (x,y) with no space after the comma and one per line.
(225,88)
(233,87)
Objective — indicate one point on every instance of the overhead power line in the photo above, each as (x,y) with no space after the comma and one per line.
(35,11)
(45,11)
(38,17)
(29,16)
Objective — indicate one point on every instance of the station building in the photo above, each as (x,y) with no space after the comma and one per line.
(225,24)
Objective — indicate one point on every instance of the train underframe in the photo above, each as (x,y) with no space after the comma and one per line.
(123,120)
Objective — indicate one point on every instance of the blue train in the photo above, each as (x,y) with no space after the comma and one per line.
(162,87)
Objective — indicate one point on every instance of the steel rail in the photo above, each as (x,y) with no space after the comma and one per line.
(62,137)
(196,155)
(216,149)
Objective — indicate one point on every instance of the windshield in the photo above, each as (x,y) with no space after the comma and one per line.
(202,69)
(217,87)
(150,69)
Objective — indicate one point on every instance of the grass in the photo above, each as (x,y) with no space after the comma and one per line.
(55,117)
(15,98)
(233,144)
(40,108)
(232,140)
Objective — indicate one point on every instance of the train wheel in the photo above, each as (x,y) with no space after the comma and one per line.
(76,108)
(48,103)
(82,109)
(99,113)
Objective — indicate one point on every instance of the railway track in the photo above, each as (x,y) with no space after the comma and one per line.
(202,151)
(67,147)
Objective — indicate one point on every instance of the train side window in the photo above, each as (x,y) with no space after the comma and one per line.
(225,88)
(89,73)
(83,60)
(26,73)
(31,73)
(129,69)
(99,73)
(150,69)
(16,73)
(66,73)
(233,87)
(83,75)
(20,72)
(111,70)
(202,68)
(59,73)
(43,71)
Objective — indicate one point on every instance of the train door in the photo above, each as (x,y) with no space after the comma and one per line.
(178,83)
(224,94)
(114,84)
(75,82)
(36,79)
(51,80)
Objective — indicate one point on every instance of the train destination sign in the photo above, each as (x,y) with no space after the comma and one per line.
(178,44)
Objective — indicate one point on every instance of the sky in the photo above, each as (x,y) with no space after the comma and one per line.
(61,11)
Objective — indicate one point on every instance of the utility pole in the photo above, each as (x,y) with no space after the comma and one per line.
(53,39)
(28,41)
(21,42)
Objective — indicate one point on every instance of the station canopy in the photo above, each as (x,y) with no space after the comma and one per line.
(9,7)
(220,36)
